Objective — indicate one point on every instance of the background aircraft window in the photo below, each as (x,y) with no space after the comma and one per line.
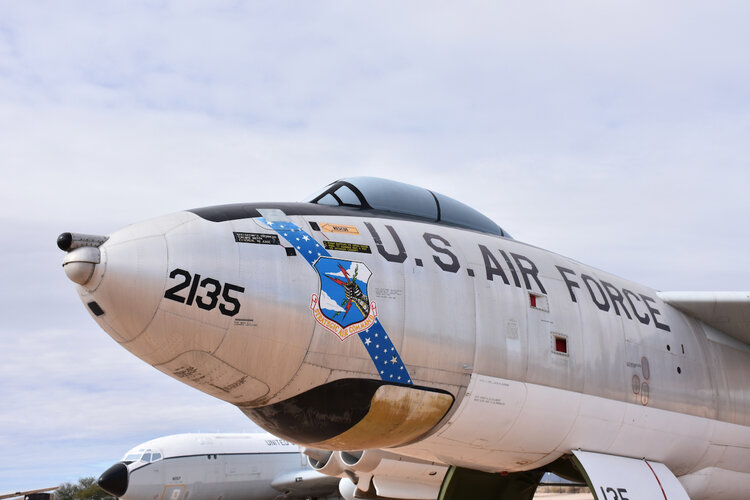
(455,212)
(391,196)
(146,457)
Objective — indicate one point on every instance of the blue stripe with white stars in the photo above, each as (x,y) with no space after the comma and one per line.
(378,344)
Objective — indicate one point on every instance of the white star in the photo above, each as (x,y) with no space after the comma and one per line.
(385,350)
(376,357)
(309,251)
(394,360)
(381,372)
(402,367)
(284,234)
(306,237)
(377,346)
(368,341)
(399,377)
(393,348)
(391,375)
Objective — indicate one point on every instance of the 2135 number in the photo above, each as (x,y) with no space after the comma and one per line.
(204,292)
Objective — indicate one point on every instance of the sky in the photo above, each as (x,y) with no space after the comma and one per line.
(616,133)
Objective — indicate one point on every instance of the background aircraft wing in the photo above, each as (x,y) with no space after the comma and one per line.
(24,493)
(728,312)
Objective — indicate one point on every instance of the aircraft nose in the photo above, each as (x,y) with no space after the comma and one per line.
(120,277)
(114,480)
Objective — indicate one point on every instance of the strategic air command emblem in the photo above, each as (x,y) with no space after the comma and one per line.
(343,306)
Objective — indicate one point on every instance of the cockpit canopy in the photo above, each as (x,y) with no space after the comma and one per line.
(145,455)
(372,193)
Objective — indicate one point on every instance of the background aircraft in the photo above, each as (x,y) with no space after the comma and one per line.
(381,315)
(262,466)
(226,466)
(38,494)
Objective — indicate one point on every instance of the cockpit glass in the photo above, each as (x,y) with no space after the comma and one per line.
(317,194)
(396,197)
(382,194)
(131,457)
(347,196)
(155,457)
(146,457)
(455,212)
(328,200)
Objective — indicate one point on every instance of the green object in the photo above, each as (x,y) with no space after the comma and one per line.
(462,484)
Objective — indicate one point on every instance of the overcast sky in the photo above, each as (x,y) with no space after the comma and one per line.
(616,133)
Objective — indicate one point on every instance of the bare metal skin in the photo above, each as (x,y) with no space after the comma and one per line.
(511,356)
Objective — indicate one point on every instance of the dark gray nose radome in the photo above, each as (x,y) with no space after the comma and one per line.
(115,480)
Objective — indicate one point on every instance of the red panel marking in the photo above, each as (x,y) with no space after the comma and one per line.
(636,384)
(657,479)
(532,298)
(561,345)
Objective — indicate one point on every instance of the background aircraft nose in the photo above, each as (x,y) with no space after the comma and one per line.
(115,480)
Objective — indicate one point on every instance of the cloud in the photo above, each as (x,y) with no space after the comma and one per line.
(76,401)
(328,303)
(362,272)
(601,133)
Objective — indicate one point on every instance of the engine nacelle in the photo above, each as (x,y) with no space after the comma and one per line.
(379,474)
(363,460)
(325,461)
(347,488)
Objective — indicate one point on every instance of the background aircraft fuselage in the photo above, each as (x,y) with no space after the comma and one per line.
(209,466)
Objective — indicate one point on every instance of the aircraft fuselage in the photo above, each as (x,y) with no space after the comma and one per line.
(300,313)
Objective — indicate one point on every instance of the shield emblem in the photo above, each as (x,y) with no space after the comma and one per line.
(343,305)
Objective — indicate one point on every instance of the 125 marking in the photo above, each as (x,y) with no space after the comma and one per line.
(617,494)
(211,289)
